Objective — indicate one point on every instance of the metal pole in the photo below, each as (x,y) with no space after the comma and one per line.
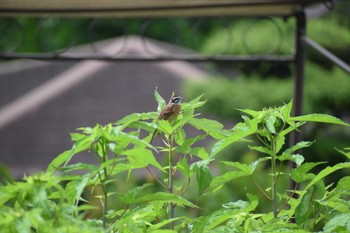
(299,64)
(330,56)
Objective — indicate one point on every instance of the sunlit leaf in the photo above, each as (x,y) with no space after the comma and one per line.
(240,131)
(211,127)
(322,118)
(161,102)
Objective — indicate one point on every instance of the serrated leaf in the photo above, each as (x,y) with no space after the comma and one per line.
(141,157)
(211,127)
(270,120)
(186,145)
(75,188)
(322,118)
(240,131)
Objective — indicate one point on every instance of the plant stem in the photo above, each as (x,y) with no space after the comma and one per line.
(273,183)
(170,180)
(154,177)
(105,194)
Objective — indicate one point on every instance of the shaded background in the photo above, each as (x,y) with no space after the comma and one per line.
(28,143)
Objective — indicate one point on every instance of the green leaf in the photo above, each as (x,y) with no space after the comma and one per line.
(184,167)
(203,178)
(200,152)
(300,174)
(129,119)
(219,181)
(196,103)
(161,196)
(253,113)
(240,166)
(325,172)
(240,131)
(185,147)
(296,158)
(77,167)
(165,127)
(346,153)
(270,120)
(306,206)
(286,110)
(161,102)
(77,136)
(339,223)
(180,136)
(75,188)
(156,227)
(255,163)
(130,195)
(59,160)
(141,157)
(211,127)
(337,198)
(322,118)
(298,146)
(262,150)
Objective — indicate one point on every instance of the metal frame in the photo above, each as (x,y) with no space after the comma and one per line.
(298,59)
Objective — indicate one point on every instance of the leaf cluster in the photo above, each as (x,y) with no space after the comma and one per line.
(56,200)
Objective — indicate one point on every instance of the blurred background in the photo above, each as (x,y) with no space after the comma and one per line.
(42,101)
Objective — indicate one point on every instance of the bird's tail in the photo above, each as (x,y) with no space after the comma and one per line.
(153,135)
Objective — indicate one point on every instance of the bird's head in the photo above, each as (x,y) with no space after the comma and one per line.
(176,99)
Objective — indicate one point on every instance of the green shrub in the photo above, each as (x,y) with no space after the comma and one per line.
(54,203)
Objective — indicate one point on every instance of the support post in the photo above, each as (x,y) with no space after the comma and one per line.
(299,65)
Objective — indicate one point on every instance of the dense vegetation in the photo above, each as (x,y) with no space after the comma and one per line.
(51,202)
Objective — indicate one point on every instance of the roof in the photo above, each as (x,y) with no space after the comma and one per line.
(153,8)
(47,101)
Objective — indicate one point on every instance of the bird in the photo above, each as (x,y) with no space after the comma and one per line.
(170,111)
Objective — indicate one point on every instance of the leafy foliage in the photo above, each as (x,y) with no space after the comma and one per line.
(51,202)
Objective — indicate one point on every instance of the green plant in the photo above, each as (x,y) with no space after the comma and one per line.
(52,202)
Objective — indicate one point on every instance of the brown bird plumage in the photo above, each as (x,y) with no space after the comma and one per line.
(170,111)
